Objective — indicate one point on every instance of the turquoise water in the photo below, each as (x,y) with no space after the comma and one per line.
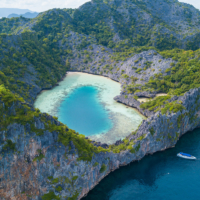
(162,176)
(85,103)
(82,111)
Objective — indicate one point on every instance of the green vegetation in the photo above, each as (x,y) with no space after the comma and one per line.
(45,62)
(137,147)
(184,74)
(95,164)
(74,197)
(85,149)
(155,104)
(26,115)
(138,70)
(147,65)
(59,189)
(40,156)
(55,180)
(9,145)
(41,54)
(103,168)
(50,196)
(9,26)
(161,103)
(152,131)
(125,145)
(179,120)
(172,107)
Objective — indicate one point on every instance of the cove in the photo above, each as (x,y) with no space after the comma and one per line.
(85,103)
(160,176)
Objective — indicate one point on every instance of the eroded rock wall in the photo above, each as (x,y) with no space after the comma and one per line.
(41,164)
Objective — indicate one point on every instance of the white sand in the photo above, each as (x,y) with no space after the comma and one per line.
(143,100)
(161,94)
(125,119)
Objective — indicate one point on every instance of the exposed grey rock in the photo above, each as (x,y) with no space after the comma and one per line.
(158,132)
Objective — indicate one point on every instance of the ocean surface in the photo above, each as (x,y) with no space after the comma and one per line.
(85,103)
(161,176)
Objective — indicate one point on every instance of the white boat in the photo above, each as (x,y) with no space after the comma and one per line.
(186,156)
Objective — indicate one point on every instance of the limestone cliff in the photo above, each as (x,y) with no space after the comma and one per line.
(34,165)
(40,158)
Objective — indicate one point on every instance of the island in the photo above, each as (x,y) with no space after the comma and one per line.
(150,47)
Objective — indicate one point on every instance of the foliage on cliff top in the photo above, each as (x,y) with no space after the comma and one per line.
(9,26)
(23,114)
(26,63)
(155,103)
(161,103)
(7,97)
(50,196)
(122,26)
(184,75)
(113,21)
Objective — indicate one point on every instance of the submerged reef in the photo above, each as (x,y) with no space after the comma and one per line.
(117,122)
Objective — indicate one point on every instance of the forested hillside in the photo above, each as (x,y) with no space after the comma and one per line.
(164,24)
(150,47)
(125,27)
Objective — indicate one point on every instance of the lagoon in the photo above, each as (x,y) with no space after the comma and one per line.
(82,106)
(85,103)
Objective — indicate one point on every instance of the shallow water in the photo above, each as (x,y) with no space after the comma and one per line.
(161,176)
(96,93)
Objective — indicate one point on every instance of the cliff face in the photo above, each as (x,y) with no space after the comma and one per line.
(40,166)
(136,68)
(101,37)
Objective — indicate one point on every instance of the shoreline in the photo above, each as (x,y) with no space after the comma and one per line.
(150,144)
(119,113)
(75,71)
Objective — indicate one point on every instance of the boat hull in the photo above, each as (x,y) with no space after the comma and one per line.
(186,157)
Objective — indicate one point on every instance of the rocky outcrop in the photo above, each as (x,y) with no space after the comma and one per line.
(130,101)
(34,164)
(41,165)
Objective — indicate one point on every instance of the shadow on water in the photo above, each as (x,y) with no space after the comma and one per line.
(159,176)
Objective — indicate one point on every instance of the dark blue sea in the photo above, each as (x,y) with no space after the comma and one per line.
(162,176)
(82,111)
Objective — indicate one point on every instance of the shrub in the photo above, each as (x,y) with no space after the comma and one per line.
(95,164)
(167,70)
(55,180)
(138,70)
(137,148)
(103,168)
(156,103)
(172,64)
(172,107)
(9,145)
(152,131)
(50,196)
(59,189)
